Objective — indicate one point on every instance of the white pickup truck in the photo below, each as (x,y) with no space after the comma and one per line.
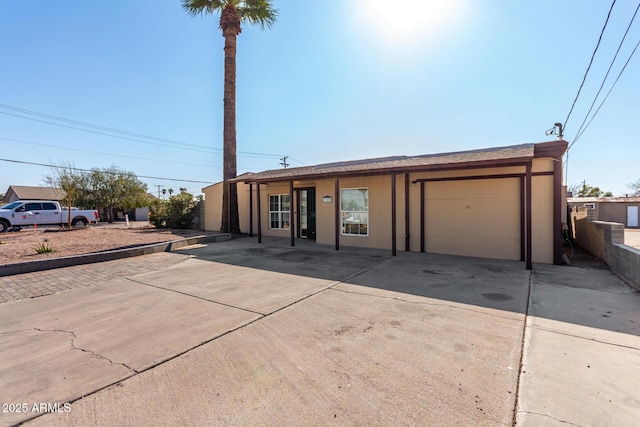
(42,212)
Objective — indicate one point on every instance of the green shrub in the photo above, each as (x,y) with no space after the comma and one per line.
(158,213)
(176,212)
(45,247)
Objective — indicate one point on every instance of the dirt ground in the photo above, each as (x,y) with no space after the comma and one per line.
(21,246)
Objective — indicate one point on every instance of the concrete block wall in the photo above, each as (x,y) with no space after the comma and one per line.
(605,240)
(587,235)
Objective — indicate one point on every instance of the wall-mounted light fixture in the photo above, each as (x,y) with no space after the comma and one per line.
(413,183)
(326,199)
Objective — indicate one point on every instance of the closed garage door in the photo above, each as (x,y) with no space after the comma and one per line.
(473,218)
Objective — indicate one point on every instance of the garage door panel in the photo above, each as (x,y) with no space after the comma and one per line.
(473,246)
(474,218)
(478,188)
(500,229)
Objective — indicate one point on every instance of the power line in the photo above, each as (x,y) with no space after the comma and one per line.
(128,134)
(173,162)
(607,74)
(607,96)
(89,170)
(89,125)
(296,160)
(106,134)
(589,67)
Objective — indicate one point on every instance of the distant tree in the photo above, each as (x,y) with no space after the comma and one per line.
(635,186)
(585,190)
(112,188)
(108,188)
(232,14)
(67,177)
(176,212)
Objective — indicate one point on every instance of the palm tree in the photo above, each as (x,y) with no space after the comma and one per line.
(232,14)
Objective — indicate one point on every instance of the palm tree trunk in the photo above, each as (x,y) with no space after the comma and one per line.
(230,23)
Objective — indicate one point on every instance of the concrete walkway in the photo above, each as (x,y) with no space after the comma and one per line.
(246,334)
(632,237)
(581,361)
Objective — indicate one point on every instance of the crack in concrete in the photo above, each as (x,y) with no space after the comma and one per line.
(84,350)
(524,337)
(584,338)
(194,296)
(16,331)
(420,302)
(549,416)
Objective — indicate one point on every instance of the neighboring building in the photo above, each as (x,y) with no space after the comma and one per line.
(21,192)
(504,202)
(624,210)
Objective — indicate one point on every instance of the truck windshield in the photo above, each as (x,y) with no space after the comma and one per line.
(12,205)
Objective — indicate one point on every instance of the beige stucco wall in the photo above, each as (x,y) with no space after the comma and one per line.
(542,219)
(213,207)
(379,202)
(466,217)
(265,192)
(325,212)
(542,211)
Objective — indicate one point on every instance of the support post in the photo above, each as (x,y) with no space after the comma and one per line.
(393,214)
(523,221)
(422,230)
(407,246)
(228,184)
(291,222)
(557,210)
(337,212)
(528,215)
(259,213)
(250,210)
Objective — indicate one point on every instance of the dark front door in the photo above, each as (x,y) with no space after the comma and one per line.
(307,219)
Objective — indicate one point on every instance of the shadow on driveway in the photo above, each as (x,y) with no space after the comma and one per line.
(481,282)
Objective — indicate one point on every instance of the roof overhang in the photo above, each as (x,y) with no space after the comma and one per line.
(518,155)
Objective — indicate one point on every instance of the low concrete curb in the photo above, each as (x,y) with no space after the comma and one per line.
(48,264)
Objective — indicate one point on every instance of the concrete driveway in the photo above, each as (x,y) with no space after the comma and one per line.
(249,334)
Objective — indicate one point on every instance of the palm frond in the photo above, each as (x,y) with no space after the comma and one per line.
(259,12)
(204,7)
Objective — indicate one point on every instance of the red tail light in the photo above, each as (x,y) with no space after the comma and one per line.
(96,214)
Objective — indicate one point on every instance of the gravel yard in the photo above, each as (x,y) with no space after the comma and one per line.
(21,246)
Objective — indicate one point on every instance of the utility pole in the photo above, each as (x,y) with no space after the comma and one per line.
(284,162)
(159,187)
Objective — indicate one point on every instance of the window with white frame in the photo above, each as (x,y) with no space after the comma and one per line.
(354,207)
(279,214)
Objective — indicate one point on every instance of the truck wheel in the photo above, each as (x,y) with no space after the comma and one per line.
(79,223)
(4,226)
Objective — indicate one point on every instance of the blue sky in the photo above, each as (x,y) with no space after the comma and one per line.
(332,80)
